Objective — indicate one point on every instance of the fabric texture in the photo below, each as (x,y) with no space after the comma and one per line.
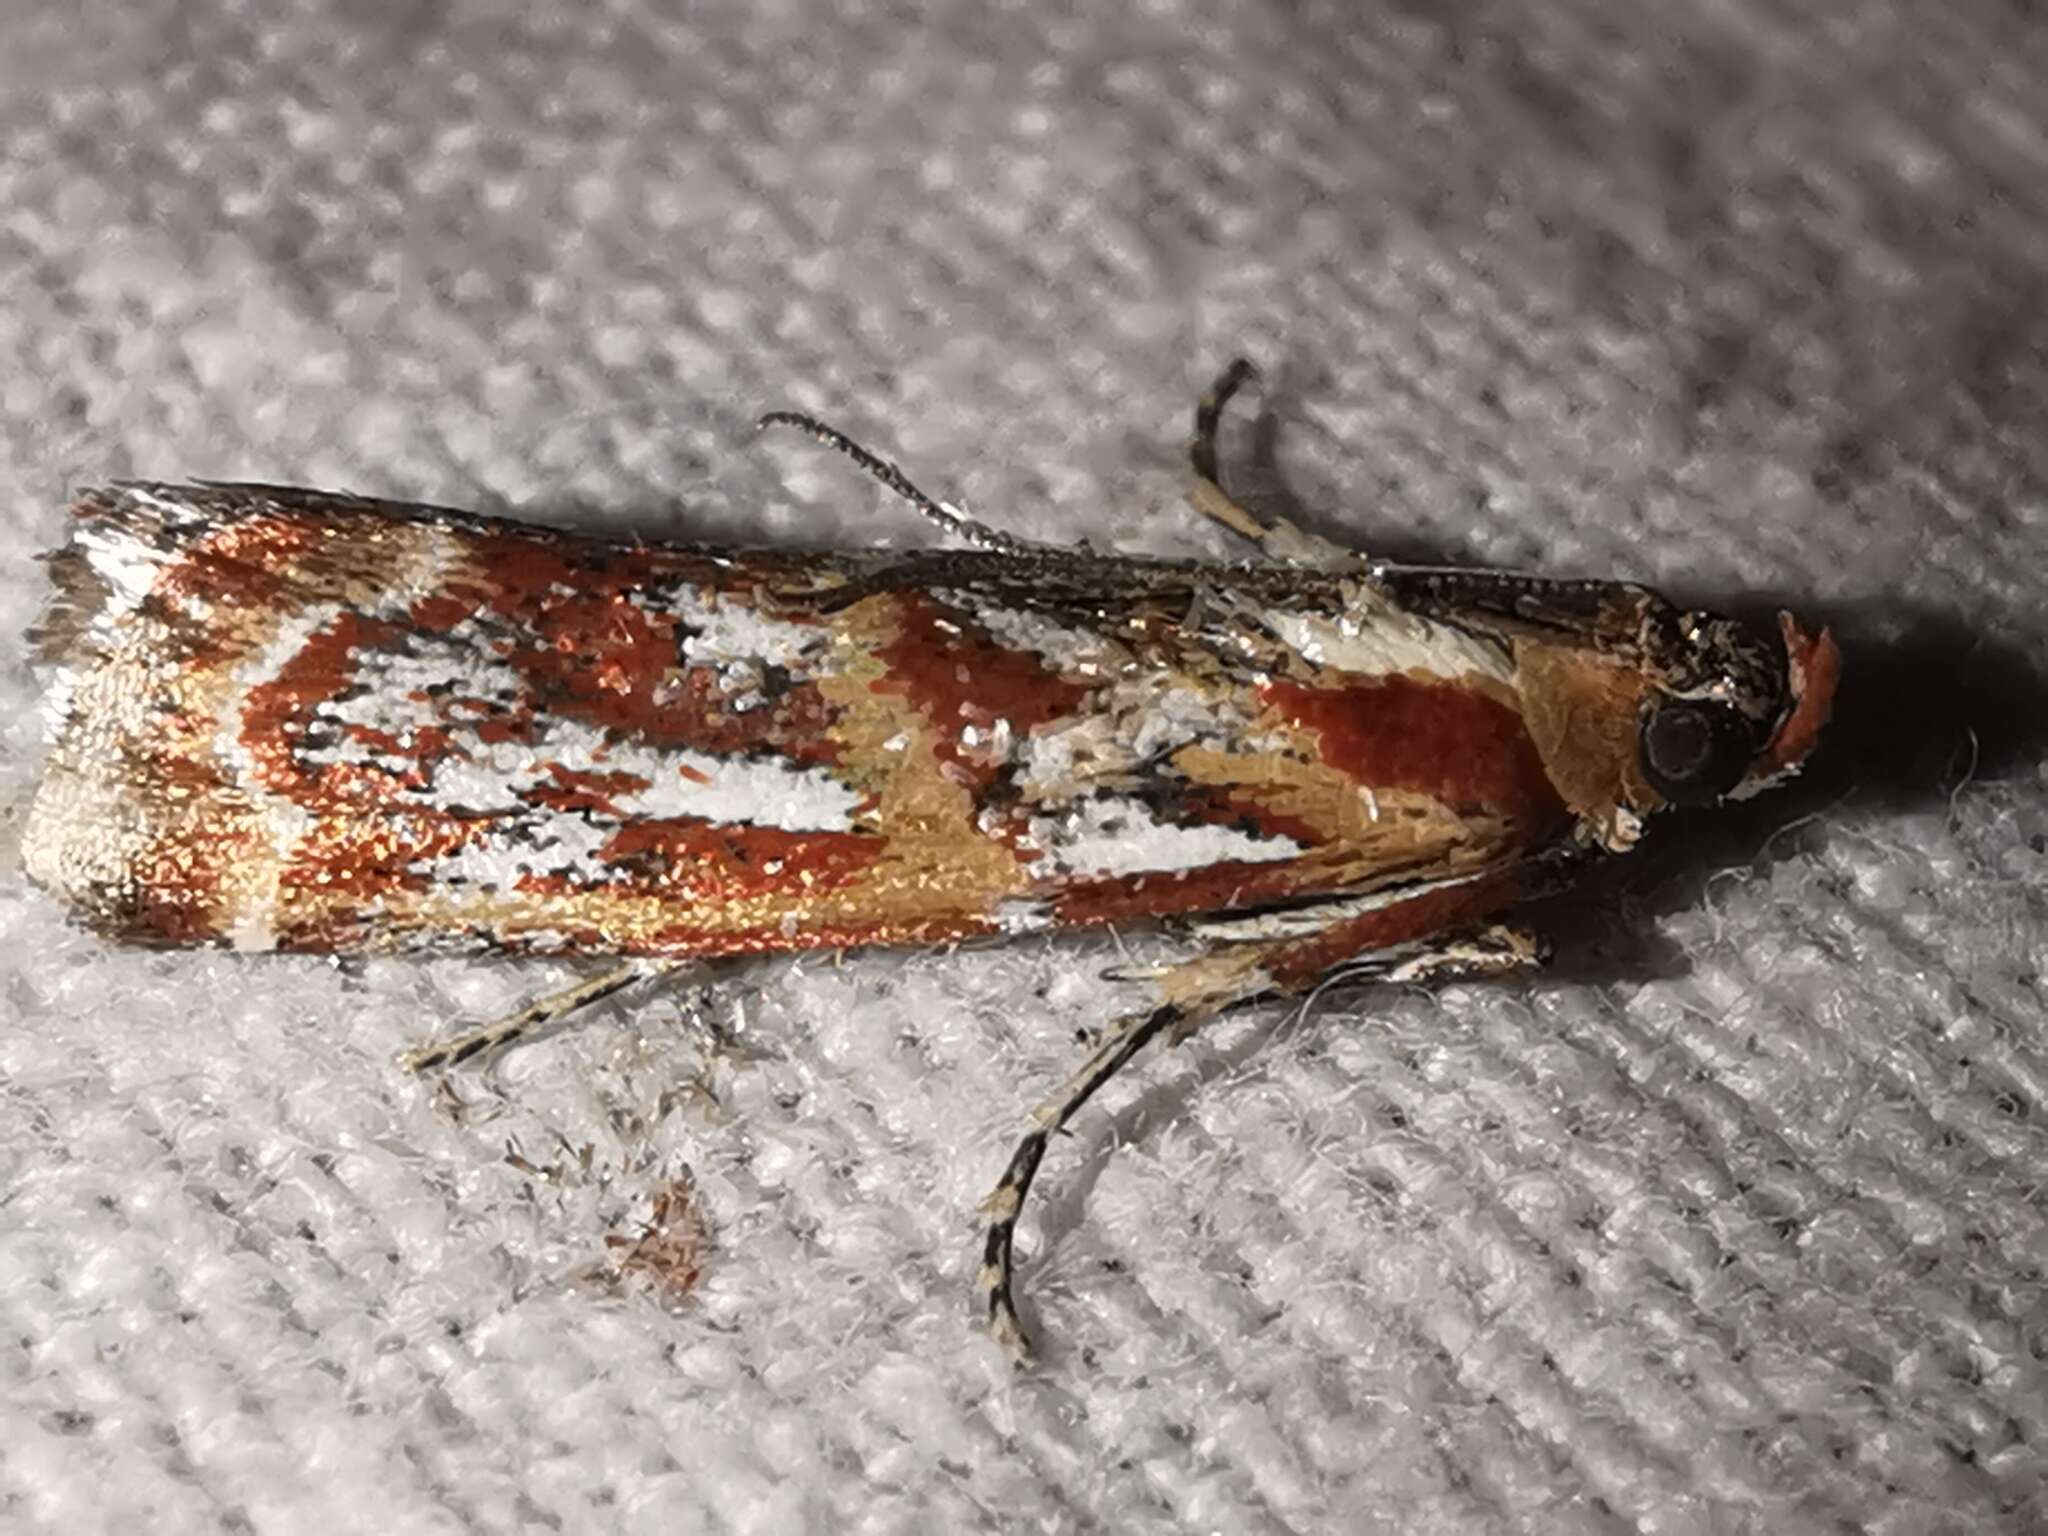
(1732,1222)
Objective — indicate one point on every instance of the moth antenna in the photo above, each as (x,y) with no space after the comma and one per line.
(944,514)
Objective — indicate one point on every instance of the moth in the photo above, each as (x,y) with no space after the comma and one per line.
(288,720)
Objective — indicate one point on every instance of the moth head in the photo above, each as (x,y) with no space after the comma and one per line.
(1634,704)
(1729,709)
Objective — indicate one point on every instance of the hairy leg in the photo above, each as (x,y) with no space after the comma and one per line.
(1419,938)
(533,1018)
(1277,537)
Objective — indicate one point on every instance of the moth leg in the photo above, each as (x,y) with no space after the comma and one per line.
(1430,934)
(960,524)
(534,1017)
(1277,537)
(1124,1039)
(1208,496)
(1499,949)
(1191,993)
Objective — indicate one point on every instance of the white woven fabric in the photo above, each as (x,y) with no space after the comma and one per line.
(1736,1223)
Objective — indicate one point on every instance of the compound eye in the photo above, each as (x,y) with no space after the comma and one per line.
(1693,752)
